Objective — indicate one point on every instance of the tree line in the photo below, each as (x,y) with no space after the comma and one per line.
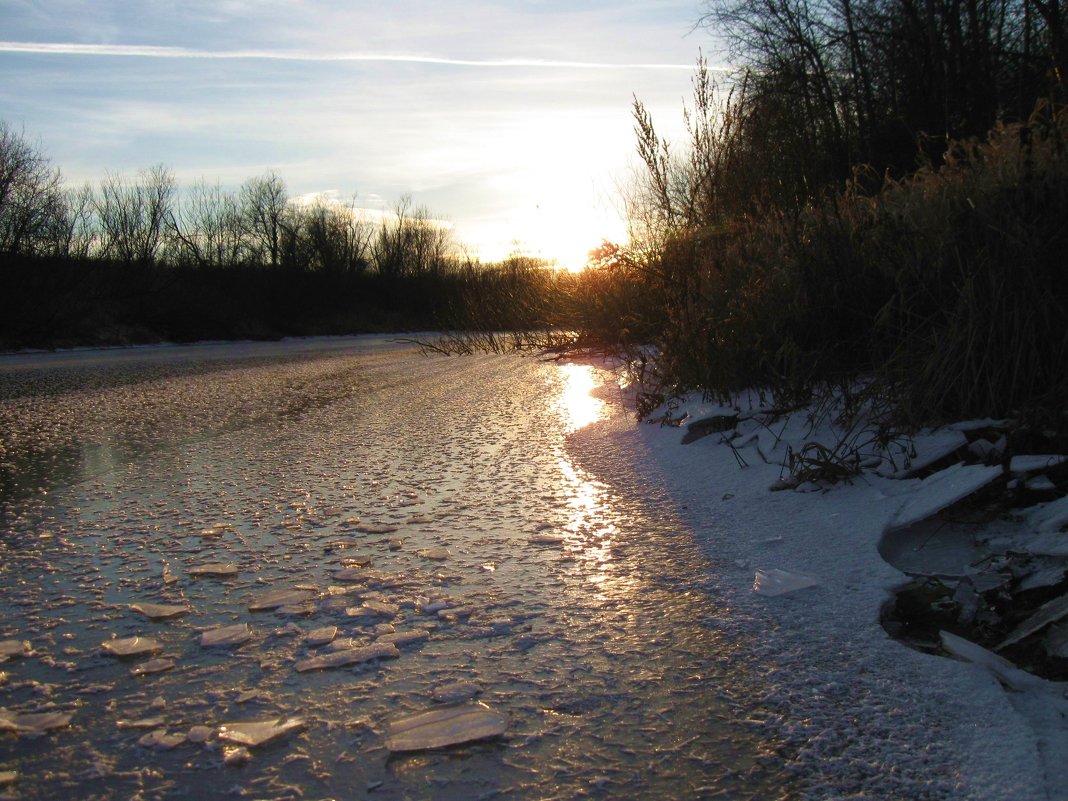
(827,86)
(134,259)
(145,220)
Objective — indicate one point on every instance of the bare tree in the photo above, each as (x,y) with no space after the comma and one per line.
(339,237)
(841,83)
(74,231)
(411,242)
(264,207)
(30,194)
(208,229)
(134,215)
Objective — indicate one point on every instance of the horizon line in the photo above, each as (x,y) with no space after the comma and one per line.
(160,51)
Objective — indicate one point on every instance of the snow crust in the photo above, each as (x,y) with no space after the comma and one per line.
(859,715)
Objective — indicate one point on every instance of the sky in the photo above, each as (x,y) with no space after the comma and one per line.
(511,119)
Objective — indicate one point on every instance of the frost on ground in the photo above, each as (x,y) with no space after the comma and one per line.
(860,714)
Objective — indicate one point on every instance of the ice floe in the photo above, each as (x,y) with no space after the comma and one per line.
(215,569)
(33,722)
(349,656)
(254,733)
(159,611)
(226,635)
(131,646)
(442,727)
(279,598)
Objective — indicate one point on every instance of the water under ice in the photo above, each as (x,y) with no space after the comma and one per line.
(365,533)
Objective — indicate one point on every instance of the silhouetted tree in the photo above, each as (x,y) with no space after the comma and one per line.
(339,238)
(264,207)
(208,228)
(133,215)
(30,195)
(411,242)
(833,84)
(74,233)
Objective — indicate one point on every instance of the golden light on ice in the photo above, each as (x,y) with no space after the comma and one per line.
(589,513)
(577,406)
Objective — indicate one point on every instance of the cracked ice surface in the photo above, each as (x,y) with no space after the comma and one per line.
(287,466)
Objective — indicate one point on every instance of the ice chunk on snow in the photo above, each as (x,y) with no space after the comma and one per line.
(143,723)
(942,490)
(774,581)
(1025,464)
(1056,641)
(1002,669)
(1044,543)
(376,528)
(1040,483)
(373,609)
(930,447)
(445,726)
(1049,612)
(1052,516)
(1042,577)
(402,638)
(351,574)
(152,666)
(457,691)
(321,635)
(161,740)
(198,734)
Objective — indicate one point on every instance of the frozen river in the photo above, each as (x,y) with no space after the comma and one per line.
(393,493)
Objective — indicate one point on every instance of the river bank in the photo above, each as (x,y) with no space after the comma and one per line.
(860,714)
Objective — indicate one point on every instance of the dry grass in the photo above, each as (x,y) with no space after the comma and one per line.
(949,287)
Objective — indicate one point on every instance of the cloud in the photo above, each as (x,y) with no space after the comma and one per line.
(154,51)
(511,118)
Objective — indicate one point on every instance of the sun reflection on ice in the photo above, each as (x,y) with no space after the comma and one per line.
(575,403)
(589,516)
(592,522)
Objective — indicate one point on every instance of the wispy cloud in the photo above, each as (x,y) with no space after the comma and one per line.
(151,51)
(509,117)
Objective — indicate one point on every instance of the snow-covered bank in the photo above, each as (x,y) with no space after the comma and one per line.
(859,714)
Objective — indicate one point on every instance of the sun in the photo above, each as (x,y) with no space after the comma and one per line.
(563,236)
(552,209)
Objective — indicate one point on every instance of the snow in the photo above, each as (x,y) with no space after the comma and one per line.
(860,714)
